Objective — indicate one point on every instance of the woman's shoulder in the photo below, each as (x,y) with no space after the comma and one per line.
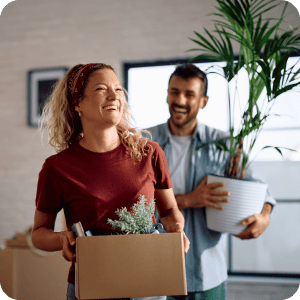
(157,150)
(154,145)
(60,156)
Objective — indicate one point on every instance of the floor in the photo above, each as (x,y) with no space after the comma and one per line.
(261,291)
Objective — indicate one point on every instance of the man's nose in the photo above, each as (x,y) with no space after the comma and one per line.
(180,100)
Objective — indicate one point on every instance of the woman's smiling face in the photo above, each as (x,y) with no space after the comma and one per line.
(103,100)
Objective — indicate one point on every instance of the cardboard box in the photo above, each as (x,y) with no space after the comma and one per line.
(126,266)
(24,275)
(6,271)
(19,241)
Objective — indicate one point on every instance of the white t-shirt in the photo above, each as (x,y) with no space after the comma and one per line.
(179,165)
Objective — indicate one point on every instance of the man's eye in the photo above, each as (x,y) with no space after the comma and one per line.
(100,89)
(120,90)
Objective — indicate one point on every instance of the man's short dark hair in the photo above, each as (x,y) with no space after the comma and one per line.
(187,71)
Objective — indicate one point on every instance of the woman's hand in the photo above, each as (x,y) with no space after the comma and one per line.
(186,243)
(44,237)
(177,227)
(170,215)
(68,242)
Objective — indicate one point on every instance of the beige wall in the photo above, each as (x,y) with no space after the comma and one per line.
(40,33)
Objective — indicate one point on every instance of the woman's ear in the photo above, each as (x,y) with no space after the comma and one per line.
(77,107)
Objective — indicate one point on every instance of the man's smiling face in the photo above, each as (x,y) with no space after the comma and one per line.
(185,98)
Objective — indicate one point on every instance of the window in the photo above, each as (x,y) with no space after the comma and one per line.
(274,254)
(147,89)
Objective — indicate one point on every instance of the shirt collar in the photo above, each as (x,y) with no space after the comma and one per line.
(198,134)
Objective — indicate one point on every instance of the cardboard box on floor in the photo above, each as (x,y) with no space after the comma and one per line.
(25,275)
(126,266)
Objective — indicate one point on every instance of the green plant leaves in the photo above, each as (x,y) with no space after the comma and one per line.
(278,149)
(136,222)
(221,145)
(264,49)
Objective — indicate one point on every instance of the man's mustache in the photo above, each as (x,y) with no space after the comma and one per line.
(180,106)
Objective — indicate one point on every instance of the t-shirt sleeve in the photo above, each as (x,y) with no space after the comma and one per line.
(48,196)
(163,179)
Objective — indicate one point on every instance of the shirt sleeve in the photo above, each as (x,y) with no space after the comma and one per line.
(251,175)
(48,196)
(163,179)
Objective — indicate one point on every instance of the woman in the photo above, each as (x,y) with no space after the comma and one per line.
(101,163)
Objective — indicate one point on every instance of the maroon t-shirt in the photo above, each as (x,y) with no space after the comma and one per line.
(91,186)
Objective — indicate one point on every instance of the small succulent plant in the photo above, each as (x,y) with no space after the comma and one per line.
(136,222)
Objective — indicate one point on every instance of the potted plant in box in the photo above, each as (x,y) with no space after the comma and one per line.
(264,50)
(139,220)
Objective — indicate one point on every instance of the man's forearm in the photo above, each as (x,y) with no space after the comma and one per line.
(267,209)
(182,201)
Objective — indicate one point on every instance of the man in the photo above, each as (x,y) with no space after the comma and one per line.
(180,137)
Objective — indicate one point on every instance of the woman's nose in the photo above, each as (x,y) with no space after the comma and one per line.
(112,94)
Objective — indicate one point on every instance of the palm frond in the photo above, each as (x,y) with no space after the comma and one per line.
(264,49)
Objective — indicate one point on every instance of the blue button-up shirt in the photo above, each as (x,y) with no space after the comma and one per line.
(205,262)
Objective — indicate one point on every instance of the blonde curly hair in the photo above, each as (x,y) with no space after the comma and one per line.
(64,125)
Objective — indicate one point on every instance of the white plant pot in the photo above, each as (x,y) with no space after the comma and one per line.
(246,199)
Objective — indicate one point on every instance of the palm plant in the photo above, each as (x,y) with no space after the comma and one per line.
(264,49)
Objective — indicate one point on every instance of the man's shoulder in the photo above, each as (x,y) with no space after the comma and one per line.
(158,128)
(158,132)
(209,134)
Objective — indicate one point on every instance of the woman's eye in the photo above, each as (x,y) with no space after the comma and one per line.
(100,89)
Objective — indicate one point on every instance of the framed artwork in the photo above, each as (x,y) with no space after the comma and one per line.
(40,86)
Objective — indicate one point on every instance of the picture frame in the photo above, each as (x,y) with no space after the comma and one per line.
(40,83)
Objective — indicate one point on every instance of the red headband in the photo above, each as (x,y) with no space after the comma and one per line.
(78,80)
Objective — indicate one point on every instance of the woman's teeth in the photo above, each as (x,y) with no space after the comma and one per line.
(113,107)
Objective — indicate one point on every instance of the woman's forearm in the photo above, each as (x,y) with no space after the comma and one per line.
(46,239)
(170,216)
(173,221)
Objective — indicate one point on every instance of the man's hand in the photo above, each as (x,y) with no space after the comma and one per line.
(68,242)
(257,223)
(204,195)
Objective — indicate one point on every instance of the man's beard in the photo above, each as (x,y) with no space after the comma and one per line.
(182,122)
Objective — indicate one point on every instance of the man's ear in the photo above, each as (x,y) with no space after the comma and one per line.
(167,95)
(203,101)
